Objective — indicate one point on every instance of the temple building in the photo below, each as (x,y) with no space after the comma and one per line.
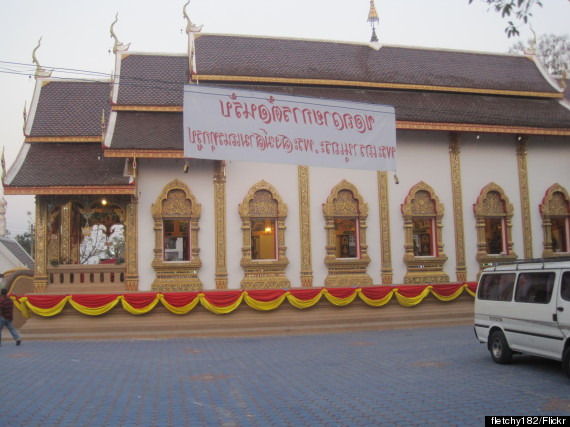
(482,176)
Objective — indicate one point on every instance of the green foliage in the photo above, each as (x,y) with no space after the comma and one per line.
(519,9)
(26,241)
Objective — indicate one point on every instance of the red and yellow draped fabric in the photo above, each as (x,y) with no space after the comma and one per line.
(222,302)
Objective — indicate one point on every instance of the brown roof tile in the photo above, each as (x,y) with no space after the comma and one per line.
(68,164)
(152,79)
(305,59)
(71,108)
(164,131)
(136,130)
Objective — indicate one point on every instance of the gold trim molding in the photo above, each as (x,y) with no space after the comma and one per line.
(522,144)
(493,202)
(305,226)
(63,139)
(460,127)
(422,202)
(457,194)
(65,190)
(346,202)
(375,85)
(385,236)
(556,203)
(149,108)
(220,223)
(176,202)
(263,201)
(145,154)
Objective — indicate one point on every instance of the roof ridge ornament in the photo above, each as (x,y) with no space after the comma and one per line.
(532,44)
(191,30)
(117,46)
(374,20)
(190,26)
(40,72)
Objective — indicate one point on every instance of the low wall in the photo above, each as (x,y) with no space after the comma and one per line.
(151,316)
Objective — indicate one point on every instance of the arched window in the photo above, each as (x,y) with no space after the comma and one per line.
(345,224)
(424,256)
(264,259)
(176,251)
(493,213)
(555,211)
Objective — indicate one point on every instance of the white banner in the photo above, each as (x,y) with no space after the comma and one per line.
(231,124)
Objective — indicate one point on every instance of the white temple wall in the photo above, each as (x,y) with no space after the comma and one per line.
(422,156)
(153,176)
(548,160)
(240,177)
(491,158)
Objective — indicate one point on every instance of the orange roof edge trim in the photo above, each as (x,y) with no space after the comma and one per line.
(254,79)
(63,190)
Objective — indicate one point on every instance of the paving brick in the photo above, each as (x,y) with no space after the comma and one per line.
(427,376)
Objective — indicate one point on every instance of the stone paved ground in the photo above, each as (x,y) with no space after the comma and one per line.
(432,376)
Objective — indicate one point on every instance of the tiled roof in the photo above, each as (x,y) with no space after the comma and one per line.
(15,249)
(148,131)
(305,59)
(164,131)
(71,108)
(152,79)
(68,164)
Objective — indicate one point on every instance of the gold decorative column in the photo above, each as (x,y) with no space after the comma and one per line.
(385,237)
(40,248)
(131,243)
(456,189)
(65,245)
(305,227)
(220,227)
(522,143)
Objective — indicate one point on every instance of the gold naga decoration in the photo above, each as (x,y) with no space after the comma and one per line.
(117,46)
(40,72)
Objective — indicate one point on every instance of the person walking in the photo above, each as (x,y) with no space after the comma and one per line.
(6,316)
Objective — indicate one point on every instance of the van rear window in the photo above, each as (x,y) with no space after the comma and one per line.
(496,286)
(534,287)
(565,286)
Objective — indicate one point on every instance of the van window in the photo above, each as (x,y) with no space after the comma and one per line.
(565,286)
(535,287)
(496,286)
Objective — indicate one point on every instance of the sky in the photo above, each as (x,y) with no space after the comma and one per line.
(75,35)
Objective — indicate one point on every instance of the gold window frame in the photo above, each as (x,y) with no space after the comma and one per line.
(263,201)
(422,203)
(176,202)
(493,203)
(345,202)
(556,203)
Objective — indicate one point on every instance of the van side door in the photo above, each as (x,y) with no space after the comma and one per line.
(563,304)
(534,329)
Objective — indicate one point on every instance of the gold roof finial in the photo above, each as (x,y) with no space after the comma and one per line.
(117,46)
(190,27)
(373,19)
(40,72)
(25,115)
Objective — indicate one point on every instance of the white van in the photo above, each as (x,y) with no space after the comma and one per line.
(525,308)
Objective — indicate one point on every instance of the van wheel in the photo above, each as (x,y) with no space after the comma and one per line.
(566,361)
(499,348)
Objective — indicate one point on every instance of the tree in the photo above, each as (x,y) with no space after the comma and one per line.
(520,9)
(26,241)
(551,49)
